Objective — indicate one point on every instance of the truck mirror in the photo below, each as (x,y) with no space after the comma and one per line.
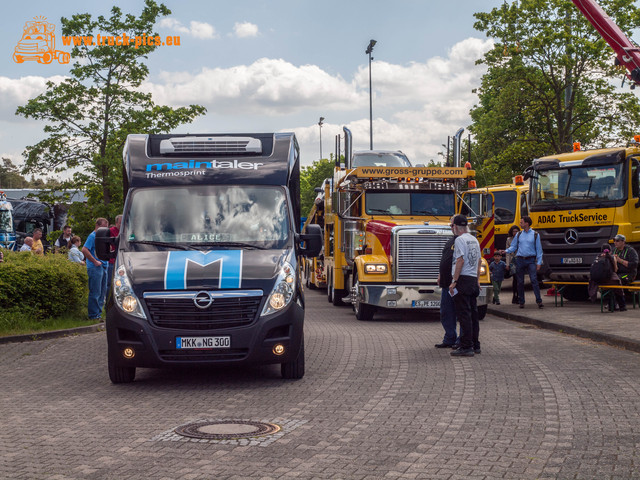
(312,241)
(104,241)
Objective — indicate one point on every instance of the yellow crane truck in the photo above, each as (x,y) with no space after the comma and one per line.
(384,231)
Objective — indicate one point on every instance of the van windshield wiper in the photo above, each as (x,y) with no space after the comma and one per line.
(195,246)
(160,244)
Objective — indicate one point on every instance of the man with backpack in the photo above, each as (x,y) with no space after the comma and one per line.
(528,249)
(603,271)
(626,258)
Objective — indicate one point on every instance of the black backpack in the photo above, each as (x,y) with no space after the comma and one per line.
(601,269)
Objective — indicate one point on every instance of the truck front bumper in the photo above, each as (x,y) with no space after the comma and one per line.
(411,296)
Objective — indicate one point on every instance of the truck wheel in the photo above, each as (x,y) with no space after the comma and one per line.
(294,369)
(363,311)
(47,58)
(336,297)
(329,288)
(121,374)
(64,57)
(482,312)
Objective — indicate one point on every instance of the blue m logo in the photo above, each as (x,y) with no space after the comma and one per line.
(175,277)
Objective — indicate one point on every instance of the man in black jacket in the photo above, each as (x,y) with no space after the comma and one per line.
(626,258)
(447,307)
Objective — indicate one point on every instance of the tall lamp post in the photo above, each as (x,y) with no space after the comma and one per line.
(320,125)
(368,51)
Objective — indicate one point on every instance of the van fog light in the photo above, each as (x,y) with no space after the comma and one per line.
(128,352)
(278,349)
(129,304)
(277,301)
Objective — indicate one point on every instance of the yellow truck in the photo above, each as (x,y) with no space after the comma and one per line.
(579,201)
(384,231)
(510,205)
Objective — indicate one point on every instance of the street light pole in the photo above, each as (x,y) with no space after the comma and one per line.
(320,125)
(368,51)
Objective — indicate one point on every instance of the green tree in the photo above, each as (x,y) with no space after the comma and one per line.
(10,175)
(312,177)
(548,84)
(89,114)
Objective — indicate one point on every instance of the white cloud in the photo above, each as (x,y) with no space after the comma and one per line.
(245,29)
(271,87)
(15,92)
(196,29)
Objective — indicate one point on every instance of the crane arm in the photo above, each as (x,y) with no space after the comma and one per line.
(627,53)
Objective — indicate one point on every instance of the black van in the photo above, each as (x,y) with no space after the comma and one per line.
(208,258)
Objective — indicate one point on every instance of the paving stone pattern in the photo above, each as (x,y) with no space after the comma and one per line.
(377,402)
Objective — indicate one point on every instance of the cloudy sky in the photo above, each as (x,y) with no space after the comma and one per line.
(280,65)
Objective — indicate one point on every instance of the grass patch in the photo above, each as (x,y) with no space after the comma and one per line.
(21,323)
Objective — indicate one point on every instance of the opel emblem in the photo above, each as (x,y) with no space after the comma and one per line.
(571,236)
(203,299)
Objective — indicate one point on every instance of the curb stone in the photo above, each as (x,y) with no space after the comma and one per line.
(98,327)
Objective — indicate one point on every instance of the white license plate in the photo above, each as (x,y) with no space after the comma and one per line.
(183,343)
(572,260)
(425,303)
(483,291)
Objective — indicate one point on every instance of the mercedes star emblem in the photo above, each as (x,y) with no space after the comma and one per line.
(203,299)
(571,236)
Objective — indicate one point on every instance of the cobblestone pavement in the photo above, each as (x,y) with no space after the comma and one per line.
(378,401)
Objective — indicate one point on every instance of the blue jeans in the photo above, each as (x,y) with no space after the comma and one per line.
(448,317)
(97,290)
(527,265)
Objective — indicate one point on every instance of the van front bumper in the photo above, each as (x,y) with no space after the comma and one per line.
(153,346)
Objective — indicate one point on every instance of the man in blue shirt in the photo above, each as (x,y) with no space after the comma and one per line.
(97,272)
(528,250)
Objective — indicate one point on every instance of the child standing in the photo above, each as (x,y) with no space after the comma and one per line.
(75,255)
(497,269)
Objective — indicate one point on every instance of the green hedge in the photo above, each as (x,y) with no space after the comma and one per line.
(43,286)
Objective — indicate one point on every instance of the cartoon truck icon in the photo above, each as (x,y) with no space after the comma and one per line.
(38,43)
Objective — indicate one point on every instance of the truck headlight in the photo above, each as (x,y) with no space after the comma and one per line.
(282,292)
(483,269)
(375,268)
(123,294)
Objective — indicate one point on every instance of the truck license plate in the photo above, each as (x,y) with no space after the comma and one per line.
(425,303)
(572,260)
(183,343)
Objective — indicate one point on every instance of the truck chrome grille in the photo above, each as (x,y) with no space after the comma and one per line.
(418,256)
(181,313)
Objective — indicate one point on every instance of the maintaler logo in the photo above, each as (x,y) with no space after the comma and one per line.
(38,43)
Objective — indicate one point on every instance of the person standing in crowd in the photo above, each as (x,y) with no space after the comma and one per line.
(626,258)
(511,264)
(114,231)
(37,246)
(497,269)
(447,307)
(75,255)
(64,240)
(528,250)
(26,246)
(465,287)
(97,272)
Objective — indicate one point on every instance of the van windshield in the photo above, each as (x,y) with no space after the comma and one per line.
(209,214)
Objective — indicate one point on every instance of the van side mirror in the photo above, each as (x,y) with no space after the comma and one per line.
(312,241)
(104,242)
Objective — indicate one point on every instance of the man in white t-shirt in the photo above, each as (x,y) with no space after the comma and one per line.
(465,287)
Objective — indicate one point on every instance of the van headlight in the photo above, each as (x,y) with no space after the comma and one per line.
(282,292)
(123,294)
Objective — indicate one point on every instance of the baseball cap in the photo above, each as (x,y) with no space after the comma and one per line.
(620,237)
(460,220)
